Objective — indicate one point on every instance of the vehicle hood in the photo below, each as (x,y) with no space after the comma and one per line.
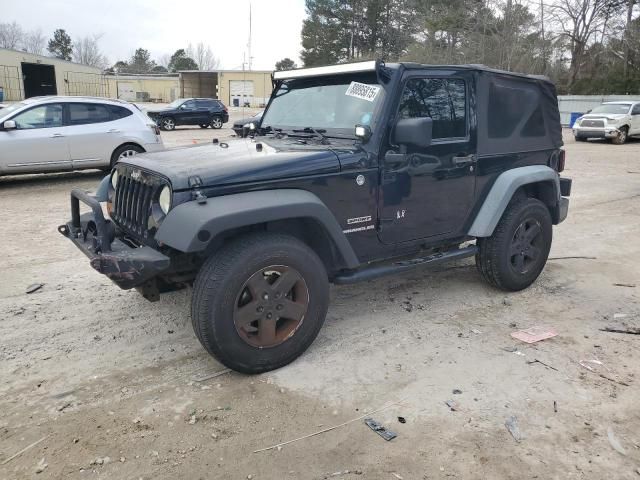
(160,111)
(238,161)
(600,116)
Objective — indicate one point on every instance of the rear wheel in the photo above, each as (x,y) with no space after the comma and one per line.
(167,123)
(622,136)
(124,152)
(216,122)
(259,302)
(514,256)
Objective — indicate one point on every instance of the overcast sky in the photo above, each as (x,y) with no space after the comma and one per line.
(162,26)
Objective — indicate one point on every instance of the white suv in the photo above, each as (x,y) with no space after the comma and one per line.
(614,120)
(47,134)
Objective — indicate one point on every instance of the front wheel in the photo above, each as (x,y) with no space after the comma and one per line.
(167,124)
(514,256)
(622,136)
(260,301)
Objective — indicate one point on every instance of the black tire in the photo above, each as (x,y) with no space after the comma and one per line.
(496,260)
(124,151)
(622,137)
(579,139)
(218,291)
(216,122)
(204,125)
(167,123)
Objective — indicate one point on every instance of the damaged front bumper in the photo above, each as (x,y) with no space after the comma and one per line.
(126,266)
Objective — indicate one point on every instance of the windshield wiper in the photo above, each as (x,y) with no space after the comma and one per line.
(324,140)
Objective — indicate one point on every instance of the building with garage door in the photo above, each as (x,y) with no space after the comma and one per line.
(24,75)
(236,88)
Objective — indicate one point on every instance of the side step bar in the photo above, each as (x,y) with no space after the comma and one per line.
(377,271)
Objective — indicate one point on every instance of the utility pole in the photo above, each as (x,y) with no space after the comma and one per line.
(544,45)
(249,44)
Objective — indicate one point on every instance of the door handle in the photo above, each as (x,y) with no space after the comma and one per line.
(113,130)
(460,161)
(57,135)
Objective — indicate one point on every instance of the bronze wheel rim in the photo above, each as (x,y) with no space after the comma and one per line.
(271,306)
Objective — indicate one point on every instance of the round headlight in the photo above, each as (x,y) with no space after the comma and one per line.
(114,179)
(165,199)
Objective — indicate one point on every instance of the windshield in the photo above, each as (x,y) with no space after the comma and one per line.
(11,108)
(325,103)
(176,103)
(612,108)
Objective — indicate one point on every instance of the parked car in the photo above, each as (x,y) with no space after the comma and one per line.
(191,111)
(357,171)
(238,126)
(46,134)
(616,121)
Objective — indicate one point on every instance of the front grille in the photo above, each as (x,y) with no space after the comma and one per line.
(132,201)
(592,123)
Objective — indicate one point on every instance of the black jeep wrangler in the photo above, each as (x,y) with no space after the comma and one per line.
(354,172)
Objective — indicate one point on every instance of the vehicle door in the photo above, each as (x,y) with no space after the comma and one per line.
(204,109)
(39,143)
(93,136)
(635,120)
(187,113)
(428,192)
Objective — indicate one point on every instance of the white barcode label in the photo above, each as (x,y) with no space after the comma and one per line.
(363,91)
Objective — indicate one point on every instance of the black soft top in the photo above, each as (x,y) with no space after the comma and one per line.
(516,112)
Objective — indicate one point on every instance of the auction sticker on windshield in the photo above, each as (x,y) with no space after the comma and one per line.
(363,91)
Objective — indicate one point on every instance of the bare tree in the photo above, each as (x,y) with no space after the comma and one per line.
(34,42)
(164,60)
(579,22)
(11,35)
(87,51)
(204,57)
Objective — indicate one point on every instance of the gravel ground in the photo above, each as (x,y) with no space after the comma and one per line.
(110,380)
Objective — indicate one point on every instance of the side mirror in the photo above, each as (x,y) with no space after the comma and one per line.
(9,125)
(413,131)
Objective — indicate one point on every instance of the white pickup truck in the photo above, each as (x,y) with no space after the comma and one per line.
(616,121)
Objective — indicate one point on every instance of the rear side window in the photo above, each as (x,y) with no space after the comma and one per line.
(119,112)
(444,100)
(205,103)
(86,113)
(511,106)
(636,109)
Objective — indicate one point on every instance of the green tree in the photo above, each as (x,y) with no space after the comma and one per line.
(285,64)
(140,62)
(181,61)
(60,45)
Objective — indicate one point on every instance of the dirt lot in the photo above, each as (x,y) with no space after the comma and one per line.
(107,379)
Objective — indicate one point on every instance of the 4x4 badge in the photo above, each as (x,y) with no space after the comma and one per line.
(360,180)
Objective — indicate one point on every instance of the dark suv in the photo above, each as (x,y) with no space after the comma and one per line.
(354,172)
(191,111)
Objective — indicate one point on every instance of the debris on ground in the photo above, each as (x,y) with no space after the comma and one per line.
(402,420)
(28,447)
(34,287)
(380,429)
(535,360)
(579,257)
(397,476)
(613,441)
(555,406)
(453,405)
(534,334)
(627,330)
(41,466)
(514,429)
(630,285)
(212,375)
(583,363)
(457,391)
(389,405)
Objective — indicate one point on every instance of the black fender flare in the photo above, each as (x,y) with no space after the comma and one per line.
(190,226)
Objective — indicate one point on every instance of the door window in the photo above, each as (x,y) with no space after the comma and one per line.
(86,113)
(444,100)
(45,116)
(190,105)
